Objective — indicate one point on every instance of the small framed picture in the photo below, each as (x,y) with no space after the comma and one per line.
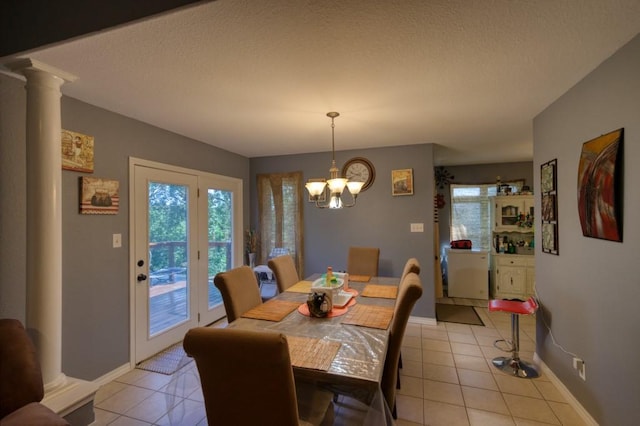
(402,182)
(548,207)
(548,176)
(77,152)
(99,196)
(549,238)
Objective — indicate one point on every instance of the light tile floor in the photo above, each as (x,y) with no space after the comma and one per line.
(447,379)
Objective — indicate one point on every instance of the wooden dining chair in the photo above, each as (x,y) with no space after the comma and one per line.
(284,268)
(409,292)
(363,261)
(247,379)
(239,289)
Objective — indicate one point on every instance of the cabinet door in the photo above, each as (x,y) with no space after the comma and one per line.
(531,281)
(511,281)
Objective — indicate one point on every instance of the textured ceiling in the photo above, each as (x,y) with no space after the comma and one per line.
(257,77)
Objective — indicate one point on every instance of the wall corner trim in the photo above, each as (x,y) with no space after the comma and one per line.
(584,414)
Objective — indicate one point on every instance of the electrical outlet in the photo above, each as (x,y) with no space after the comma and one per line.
(578,364)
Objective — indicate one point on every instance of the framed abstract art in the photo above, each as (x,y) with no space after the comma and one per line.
(600,187)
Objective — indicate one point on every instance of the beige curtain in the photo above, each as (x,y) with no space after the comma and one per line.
(280,215)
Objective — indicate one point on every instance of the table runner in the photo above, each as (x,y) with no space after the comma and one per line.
(307,352)
(369,316)
(382,291)
(273,310)
(300,287)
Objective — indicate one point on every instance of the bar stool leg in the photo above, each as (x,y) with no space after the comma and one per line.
(514,365)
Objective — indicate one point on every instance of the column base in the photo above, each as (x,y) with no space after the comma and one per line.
(65,399)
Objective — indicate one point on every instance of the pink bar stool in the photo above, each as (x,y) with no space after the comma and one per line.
(514,365)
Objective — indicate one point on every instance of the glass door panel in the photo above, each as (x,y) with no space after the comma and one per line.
(165,258)
(168,256)
(220,244)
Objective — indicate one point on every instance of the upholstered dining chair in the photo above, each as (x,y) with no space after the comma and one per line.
(241,388)
(409,292)
(412,265)
(239,289)
(21,388)
(363,261)
(284,269)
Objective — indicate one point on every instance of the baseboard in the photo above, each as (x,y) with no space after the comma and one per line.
(584,414)
(113,374)
(423,320)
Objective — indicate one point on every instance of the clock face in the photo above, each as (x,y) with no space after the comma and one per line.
(359,169)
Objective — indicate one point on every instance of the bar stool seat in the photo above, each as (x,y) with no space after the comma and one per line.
(514,365)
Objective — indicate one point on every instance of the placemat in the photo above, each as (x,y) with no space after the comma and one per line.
(273,310)
(335,312)
(359,278)
(300,287)
(307,352)
(382,291)
(369,316)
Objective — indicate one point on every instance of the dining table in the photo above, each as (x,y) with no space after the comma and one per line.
(343,352)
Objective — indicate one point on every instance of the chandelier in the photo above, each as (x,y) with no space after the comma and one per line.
(336,184)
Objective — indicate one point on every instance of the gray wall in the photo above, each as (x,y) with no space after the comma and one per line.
(95,287)
(590,292)
(478,173)
(379,219)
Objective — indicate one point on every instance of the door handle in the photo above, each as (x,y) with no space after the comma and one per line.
(142,277)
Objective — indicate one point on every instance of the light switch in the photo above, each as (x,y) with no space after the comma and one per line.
(117,240)
(417,227)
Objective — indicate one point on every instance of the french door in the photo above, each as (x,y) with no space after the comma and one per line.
(187,227)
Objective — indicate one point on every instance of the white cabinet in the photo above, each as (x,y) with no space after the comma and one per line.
(512,276)
(507,212)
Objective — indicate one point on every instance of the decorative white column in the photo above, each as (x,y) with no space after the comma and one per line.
(44,214)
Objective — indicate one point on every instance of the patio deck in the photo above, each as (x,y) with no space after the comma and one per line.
(168,304)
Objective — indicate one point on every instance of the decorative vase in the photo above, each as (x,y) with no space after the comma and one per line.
(252,260)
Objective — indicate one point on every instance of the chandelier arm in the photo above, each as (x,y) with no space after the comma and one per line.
(321,206)
(352,204)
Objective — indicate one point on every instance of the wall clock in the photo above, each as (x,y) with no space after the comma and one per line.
(359,169)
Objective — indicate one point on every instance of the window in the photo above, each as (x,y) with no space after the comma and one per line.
(470,212)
